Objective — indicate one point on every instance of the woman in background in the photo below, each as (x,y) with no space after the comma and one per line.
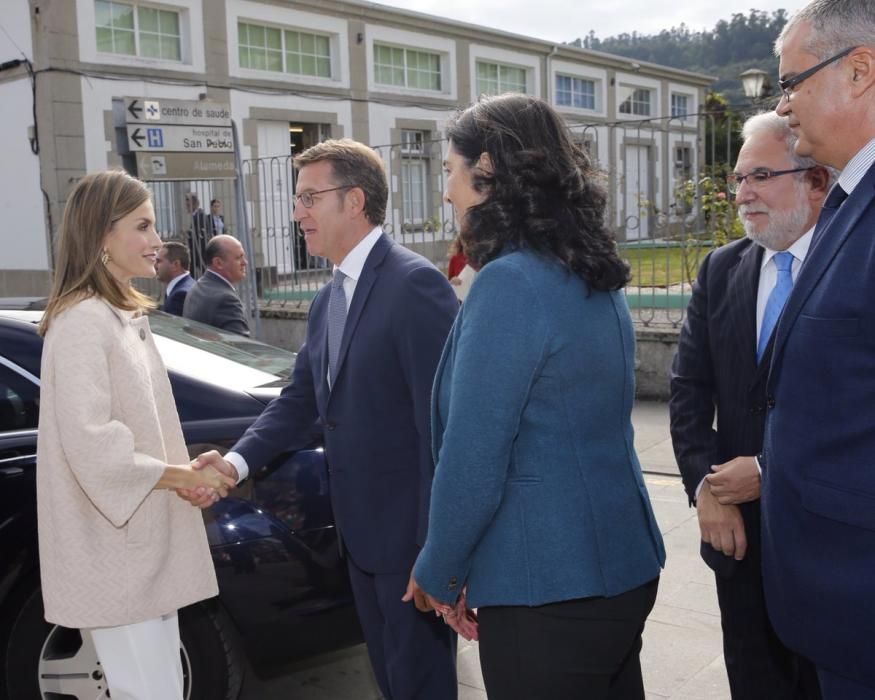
(539,513)
(120,552)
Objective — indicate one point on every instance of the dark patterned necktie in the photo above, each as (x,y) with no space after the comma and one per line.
(833,201)
(336,322)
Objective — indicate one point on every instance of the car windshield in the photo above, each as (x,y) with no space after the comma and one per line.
(264,359)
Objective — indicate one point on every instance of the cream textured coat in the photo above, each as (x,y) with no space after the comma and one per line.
(112,550)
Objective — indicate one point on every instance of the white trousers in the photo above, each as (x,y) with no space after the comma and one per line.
(141,661)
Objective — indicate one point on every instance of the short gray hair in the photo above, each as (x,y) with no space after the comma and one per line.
(836,25)
(779,128)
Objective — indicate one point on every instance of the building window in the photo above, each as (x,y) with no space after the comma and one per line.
(137,30)
(679,105)
(496,78)
(575,92)
(283,50)
(638,103)
(417,70)
(414,176)
(683,162)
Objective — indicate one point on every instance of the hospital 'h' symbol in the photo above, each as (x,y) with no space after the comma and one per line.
(155,137)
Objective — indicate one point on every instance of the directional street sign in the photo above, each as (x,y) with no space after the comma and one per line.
(180,139)
(139,110)
(185,166)
(184,139)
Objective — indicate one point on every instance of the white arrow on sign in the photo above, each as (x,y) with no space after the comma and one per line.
(184,139)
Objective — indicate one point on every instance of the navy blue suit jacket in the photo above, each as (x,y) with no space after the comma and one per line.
(818,493)
(376,417)
(176,299)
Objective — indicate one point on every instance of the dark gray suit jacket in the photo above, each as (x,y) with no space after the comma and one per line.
(213,301)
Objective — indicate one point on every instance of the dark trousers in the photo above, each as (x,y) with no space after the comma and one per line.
(585,649)
(413,654)
(836,687)
(758,664)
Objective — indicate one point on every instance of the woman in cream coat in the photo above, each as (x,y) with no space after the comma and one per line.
(120,551)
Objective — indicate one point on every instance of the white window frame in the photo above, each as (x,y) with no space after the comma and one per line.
(692,95)
(531,63)
(284,50)
(573,92)
(630,82)
(401,39)
(283,18)
(501,88)
(191,36)
(580,71)
(406,49)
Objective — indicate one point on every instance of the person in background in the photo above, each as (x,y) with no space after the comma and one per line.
(171,268)
(720,368)
(198,235)
(120,553)
(213,299)
(539,516)
(215,221)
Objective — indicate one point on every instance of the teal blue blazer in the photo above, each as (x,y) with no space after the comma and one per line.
(538,495)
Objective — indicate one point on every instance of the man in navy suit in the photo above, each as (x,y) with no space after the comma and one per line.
(374,338)
(720,367)
(171,268)
(818,489)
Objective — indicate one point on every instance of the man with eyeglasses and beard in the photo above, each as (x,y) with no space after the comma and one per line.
(721,366)
(818,492)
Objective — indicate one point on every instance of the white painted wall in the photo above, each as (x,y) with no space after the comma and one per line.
(16,21)
(23,233)
(243,102)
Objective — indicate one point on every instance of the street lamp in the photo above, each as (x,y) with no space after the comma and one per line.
(754,81)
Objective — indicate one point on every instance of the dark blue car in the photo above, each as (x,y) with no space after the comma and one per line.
(283,586)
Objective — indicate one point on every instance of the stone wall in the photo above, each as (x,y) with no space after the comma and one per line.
(286,328)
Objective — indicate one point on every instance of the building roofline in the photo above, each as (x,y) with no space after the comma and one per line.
(372,10)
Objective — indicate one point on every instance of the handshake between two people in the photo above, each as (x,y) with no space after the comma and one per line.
(210,478)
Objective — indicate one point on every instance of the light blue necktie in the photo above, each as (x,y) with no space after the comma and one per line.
(336,322)
(777,299)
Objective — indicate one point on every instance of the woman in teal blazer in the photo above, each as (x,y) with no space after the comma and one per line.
(539,513)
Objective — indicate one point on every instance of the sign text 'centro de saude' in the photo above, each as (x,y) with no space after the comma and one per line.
(180,139)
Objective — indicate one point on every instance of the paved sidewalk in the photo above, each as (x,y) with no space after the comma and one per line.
(682,656)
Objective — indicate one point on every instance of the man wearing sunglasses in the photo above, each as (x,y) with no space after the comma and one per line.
(721,366)
(818,489)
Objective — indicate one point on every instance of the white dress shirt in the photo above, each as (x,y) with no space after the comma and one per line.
(351,266)
(172,283)
(857,167)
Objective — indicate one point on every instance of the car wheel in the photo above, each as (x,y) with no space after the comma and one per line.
(46,661)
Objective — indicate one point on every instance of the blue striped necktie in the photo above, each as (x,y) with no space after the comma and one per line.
(777,299)
(336,322)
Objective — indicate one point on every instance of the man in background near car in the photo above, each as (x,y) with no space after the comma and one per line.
(213,299)
(171,267)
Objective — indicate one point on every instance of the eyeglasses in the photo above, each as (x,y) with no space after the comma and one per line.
(305,199)
(757,178)
(788,86)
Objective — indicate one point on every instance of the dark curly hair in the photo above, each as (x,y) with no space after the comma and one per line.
(542,193)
